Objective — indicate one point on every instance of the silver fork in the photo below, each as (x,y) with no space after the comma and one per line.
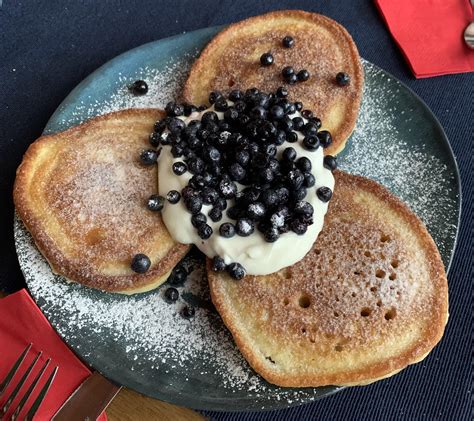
(29,392)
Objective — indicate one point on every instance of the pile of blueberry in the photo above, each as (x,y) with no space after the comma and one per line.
(241,148)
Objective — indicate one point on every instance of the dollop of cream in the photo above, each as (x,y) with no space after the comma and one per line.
(256,255)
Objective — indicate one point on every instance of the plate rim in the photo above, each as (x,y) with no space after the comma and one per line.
(214,29)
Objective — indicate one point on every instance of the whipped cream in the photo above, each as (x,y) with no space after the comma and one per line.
(256,255)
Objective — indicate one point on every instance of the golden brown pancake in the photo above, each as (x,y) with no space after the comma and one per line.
(370,298)
(82,194)
(322,46)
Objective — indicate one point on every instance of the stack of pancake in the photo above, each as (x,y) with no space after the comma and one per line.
(370,297)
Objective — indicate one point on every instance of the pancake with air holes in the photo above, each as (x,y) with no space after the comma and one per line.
(369,299)
(321,46)
(82,194)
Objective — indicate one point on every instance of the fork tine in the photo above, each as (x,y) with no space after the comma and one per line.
(19,385)
(6,381)
(28,393)
(37,403)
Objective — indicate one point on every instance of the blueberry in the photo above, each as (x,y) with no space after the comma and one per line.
(307,114)
(295,179)
(156,202)
(198,219)
(160,125)
(286,124)
(298,194)
(288,41)
(289,154)
(266,59)
(298,123)
(269,198)
(214,96)
(218,264)
(256,210)
(212,154)
(287,72)
(244,227)
(258,112)
(251,194)
(209,195)
(221,105)
(298,106)
(193,204)
(195,165)
(236,270)
(240,106)
(342,79)
(309,180)
(311,143)
(197,182)
(155,139)
(189,109)
(171,295)
(303,208)
(271,234)
(324,194)
(188,312)
(277,112)
(236,172)
(325,138)
(242,158)
(149,156)
(178,275)
(303,75)
(227,230)
(236,95)
(139,87)
(227,188)
(209,117)
(330,162)
(283,194)
(291,80)
(310,129)
(179,168)
(215,214)
(316,121)
(203,134)
(140,263)
(221,203)
(280,137)
(175,125)
(298,227)
(292,137)
(304,164)
(173,109)
(231,115)
(266,175)
(282,92)
(188,192)
(204,231)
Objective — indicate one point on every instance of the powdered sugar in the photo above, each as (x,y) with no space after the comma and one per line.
(142,339)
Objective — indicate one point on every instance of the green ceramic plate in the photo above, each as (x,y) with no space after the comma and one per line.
(142,342)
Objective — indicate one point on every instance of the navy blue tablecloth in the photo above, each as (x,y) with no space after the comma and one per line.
(48,47)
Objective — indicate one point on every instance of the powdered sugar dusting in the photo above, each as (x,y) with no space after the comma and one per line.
(145,339)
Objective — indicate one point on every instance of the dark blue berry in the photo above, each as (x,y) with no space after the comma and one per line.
(342,79)
(282,92)
(198,219)
(304,164)
(298,227)
(298,106)
(258,113)
(227,230)
(215,214)
(287,71)
(307,114)
(236,270)
(209,195)
(189,109)
(311,143)
(209,117)
(242,158)
(195,165)
(256,210)
(303,208)
(283,194)
(193,204)
(269,198)
(214,96)
(156,202)
(221,105)
(236,172)
(266,59)
(204,231)
(303,75)
(188,312)
(291,80)
(227,188)
(288,41)
(298,123)
(235,95)
(171,295)
(218,264)
(212,154)
(231,115)
(325,138)
(295,179)
(178,275)
(309,180)
(292,137)
(271,234)
(289,154)
(155,139)
(310,129)
(330,162)
(277,112)
(244,227)
(139,87)
(140,263)
(179,168)
(324,194)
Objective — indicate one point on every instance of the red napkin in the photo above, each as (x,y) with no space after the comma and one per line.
(21,322)
(430,34)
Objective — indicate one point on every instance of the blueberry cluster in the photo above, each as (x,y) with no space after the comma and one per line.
(241,148)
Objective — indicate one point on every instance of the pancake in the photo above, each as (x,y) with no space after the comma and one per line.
(370,298)
(322,46)
(82,194)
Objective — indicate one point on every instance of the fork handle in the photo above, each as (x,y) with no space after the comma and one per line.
(89,400)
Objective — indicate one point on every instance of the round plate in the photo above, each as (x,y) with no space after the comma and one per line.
(143,343)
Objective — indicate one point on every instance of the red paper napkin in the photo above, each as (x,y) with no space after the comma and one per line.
(430,34)
(21,322)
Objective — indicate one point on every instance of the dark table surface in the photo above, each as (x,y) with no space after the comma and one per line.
(48,47)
